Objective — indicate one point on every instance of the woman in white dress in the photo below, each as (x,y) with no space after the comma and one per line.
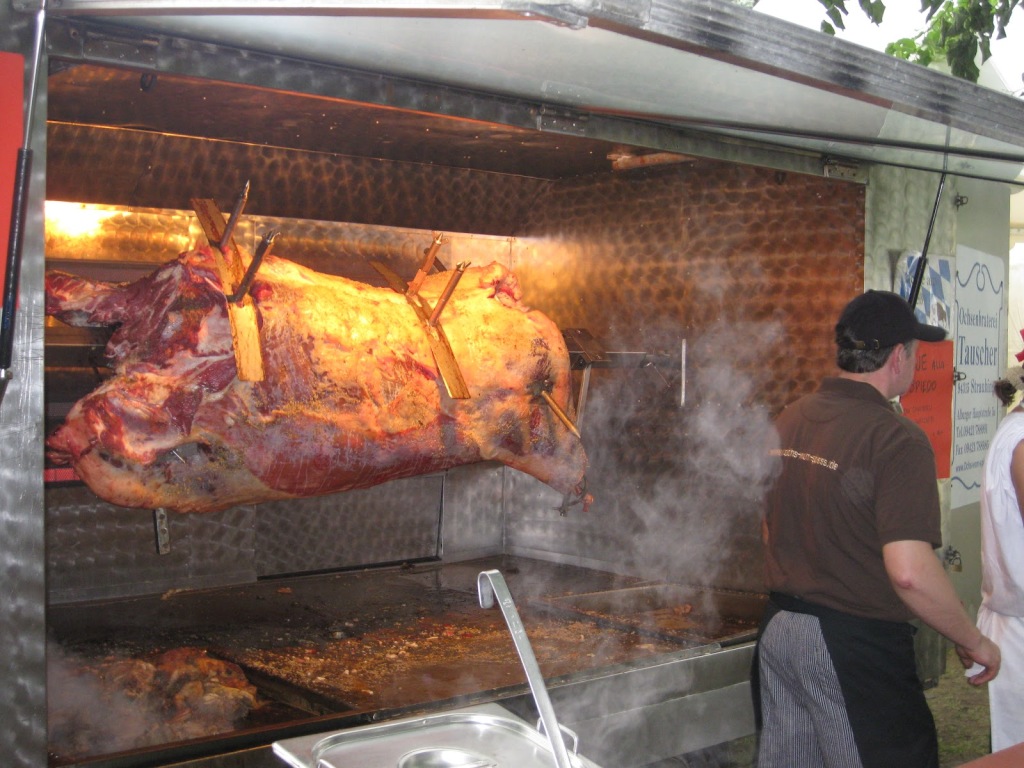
(1001,615)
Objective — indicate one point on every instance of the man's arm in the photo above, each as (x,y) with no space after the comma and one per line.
(921,583)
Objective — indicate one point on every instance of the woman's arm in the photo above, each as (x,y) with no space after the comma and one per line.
(1017,475)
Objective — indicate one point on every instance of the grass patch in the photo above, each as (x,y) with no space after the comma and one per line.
(961,716)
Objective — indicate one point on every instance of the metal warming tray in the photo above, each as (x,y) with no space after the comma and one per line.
(481,737)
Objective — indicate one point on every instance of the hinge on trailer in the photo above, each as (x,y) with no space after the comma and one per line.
(845,171)
(561,121)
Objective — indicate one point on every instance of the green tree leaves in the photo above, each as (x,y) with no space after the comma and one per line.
(958,31)
(836,9)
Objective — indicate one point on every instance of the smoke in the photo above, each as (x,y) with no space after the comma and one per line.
(113,703)
(88,714)
(678,487)
(678,491)
(708,503)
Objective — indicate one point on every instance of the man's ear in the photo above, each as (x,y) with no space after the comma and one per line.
(899,357)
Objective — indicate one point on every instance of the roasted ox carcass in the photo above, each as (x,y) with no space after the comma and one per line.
(351,396)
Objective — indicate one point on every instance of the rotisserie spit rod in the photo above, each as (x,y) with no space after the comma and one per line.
(430,254)
(236,213)
(446,294)
(542,389)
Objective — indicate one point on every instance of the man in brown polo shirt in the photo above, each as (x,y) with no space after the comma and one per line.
(851,524)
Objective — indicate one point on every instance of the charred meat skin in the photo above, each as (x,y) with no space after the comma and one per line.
(352,396)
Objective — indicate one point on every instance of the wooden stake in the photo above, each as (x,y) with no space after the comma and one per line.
(449,369)
(231,269)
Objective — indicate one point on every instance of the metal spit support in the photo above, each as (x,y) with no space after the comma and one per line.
(682,373)
(430,254)
(250,274)
(449,289)
(585,354)
(543,389)
(236,213)
(162,530)
(491,584)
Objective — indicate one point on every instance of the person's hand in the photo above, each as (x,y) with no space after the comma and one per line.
(984,655)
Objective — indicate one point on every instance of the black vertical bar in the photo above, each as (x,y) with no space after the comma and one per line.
(19,211)
(915,287)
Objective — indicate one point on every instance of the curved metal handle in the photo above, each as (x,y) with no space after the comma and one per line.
(491,585)
(567,731)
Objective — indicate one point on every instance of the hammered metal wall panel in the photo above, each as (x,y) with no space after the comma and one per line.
(97,550)
(388,523)
(154,170)
(221,546)
(347,249)
(473,521)
(651,259)
(751,269)
(107,237)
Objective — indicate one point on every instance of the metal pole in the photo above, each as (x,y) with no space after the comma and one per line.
(19,211)
(915,288)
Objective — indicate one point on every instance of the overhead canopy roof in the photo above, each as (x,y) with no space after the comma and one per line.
(702,77)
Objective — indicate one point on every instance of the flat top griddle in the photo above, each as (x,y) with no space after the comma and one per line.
(343,649)
(687,614)
(309,608)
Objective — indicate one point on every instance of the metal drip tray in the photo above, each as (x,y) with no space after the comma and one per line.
(481,737)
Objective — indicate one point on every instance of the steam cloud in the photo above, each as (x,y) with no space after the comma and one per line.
(84,713)
(678,490)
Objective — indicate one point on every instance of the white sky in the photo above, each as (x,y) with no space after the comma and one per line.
(903,18)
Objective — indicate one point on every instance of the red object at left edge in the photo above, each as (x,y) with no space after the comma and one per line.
(12,107)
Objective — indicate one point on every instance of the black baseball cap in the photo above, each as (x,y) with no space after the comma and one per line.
(880,319)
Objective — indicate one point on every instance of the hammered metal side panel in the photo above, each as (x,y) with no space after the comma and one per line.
(751,269)
(22,555)
(473,522)
(388,523)
(900,203)
(97,550)
(155,170)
